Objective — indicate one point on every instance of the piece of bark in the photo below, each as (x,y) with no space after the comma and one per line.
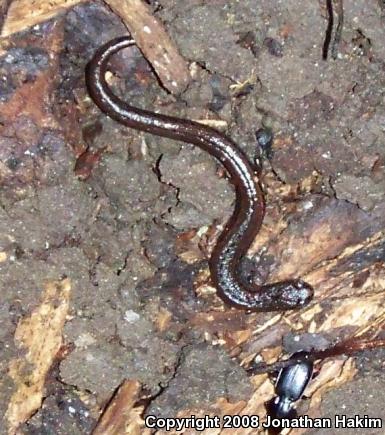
(148,32)
(40,335)
(4,6)
(22,14)
(154,42)
(121,417)
(326,242)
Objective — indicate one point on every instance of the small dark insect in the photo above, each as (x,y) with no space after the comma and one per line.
(291,383)
(264,138)
(296,372)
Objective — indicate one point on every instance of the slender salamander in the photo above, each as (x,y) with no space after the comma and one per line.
(248,214)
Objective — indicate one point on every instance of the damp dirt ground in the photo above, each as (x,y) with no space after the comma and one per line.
(133,227)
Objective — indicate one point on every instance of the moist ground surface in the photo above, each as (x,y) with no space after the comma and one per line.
(126,235)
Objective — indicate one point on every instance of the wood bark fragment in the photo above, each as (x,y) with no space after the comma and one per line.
(148,32)
(26,13)
(40,335)
(153,40)
(120,416)
(4,7)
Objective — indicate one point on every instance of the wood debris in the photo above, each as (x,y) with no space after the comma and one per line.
(40,335)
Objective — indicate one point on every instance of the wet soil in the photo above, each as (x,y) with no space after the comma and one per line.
(133,230)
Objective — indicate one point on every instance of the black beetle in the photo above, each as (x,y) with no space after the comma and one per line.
(290,386)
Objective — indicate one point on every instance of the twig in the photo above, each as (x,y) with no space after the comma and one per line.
(338,32)
(329,29)
(339,10)
(348,347)
(153,40)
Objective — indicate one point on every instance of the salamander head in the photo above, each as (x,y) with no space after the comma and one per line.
(292,294)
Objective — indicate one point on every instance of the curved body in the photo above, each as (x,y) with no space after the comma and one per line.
(248,215)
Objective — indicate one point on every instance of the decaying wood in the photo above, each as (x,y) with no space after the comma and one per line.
(154,42)
(120,416)
(330,247)
(163,55)
(4,7)
(335,246)
(26,13)
(40,335)
(332,244)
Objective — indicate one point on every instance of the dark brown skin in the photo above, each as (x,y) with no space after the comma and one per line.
(248,215)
